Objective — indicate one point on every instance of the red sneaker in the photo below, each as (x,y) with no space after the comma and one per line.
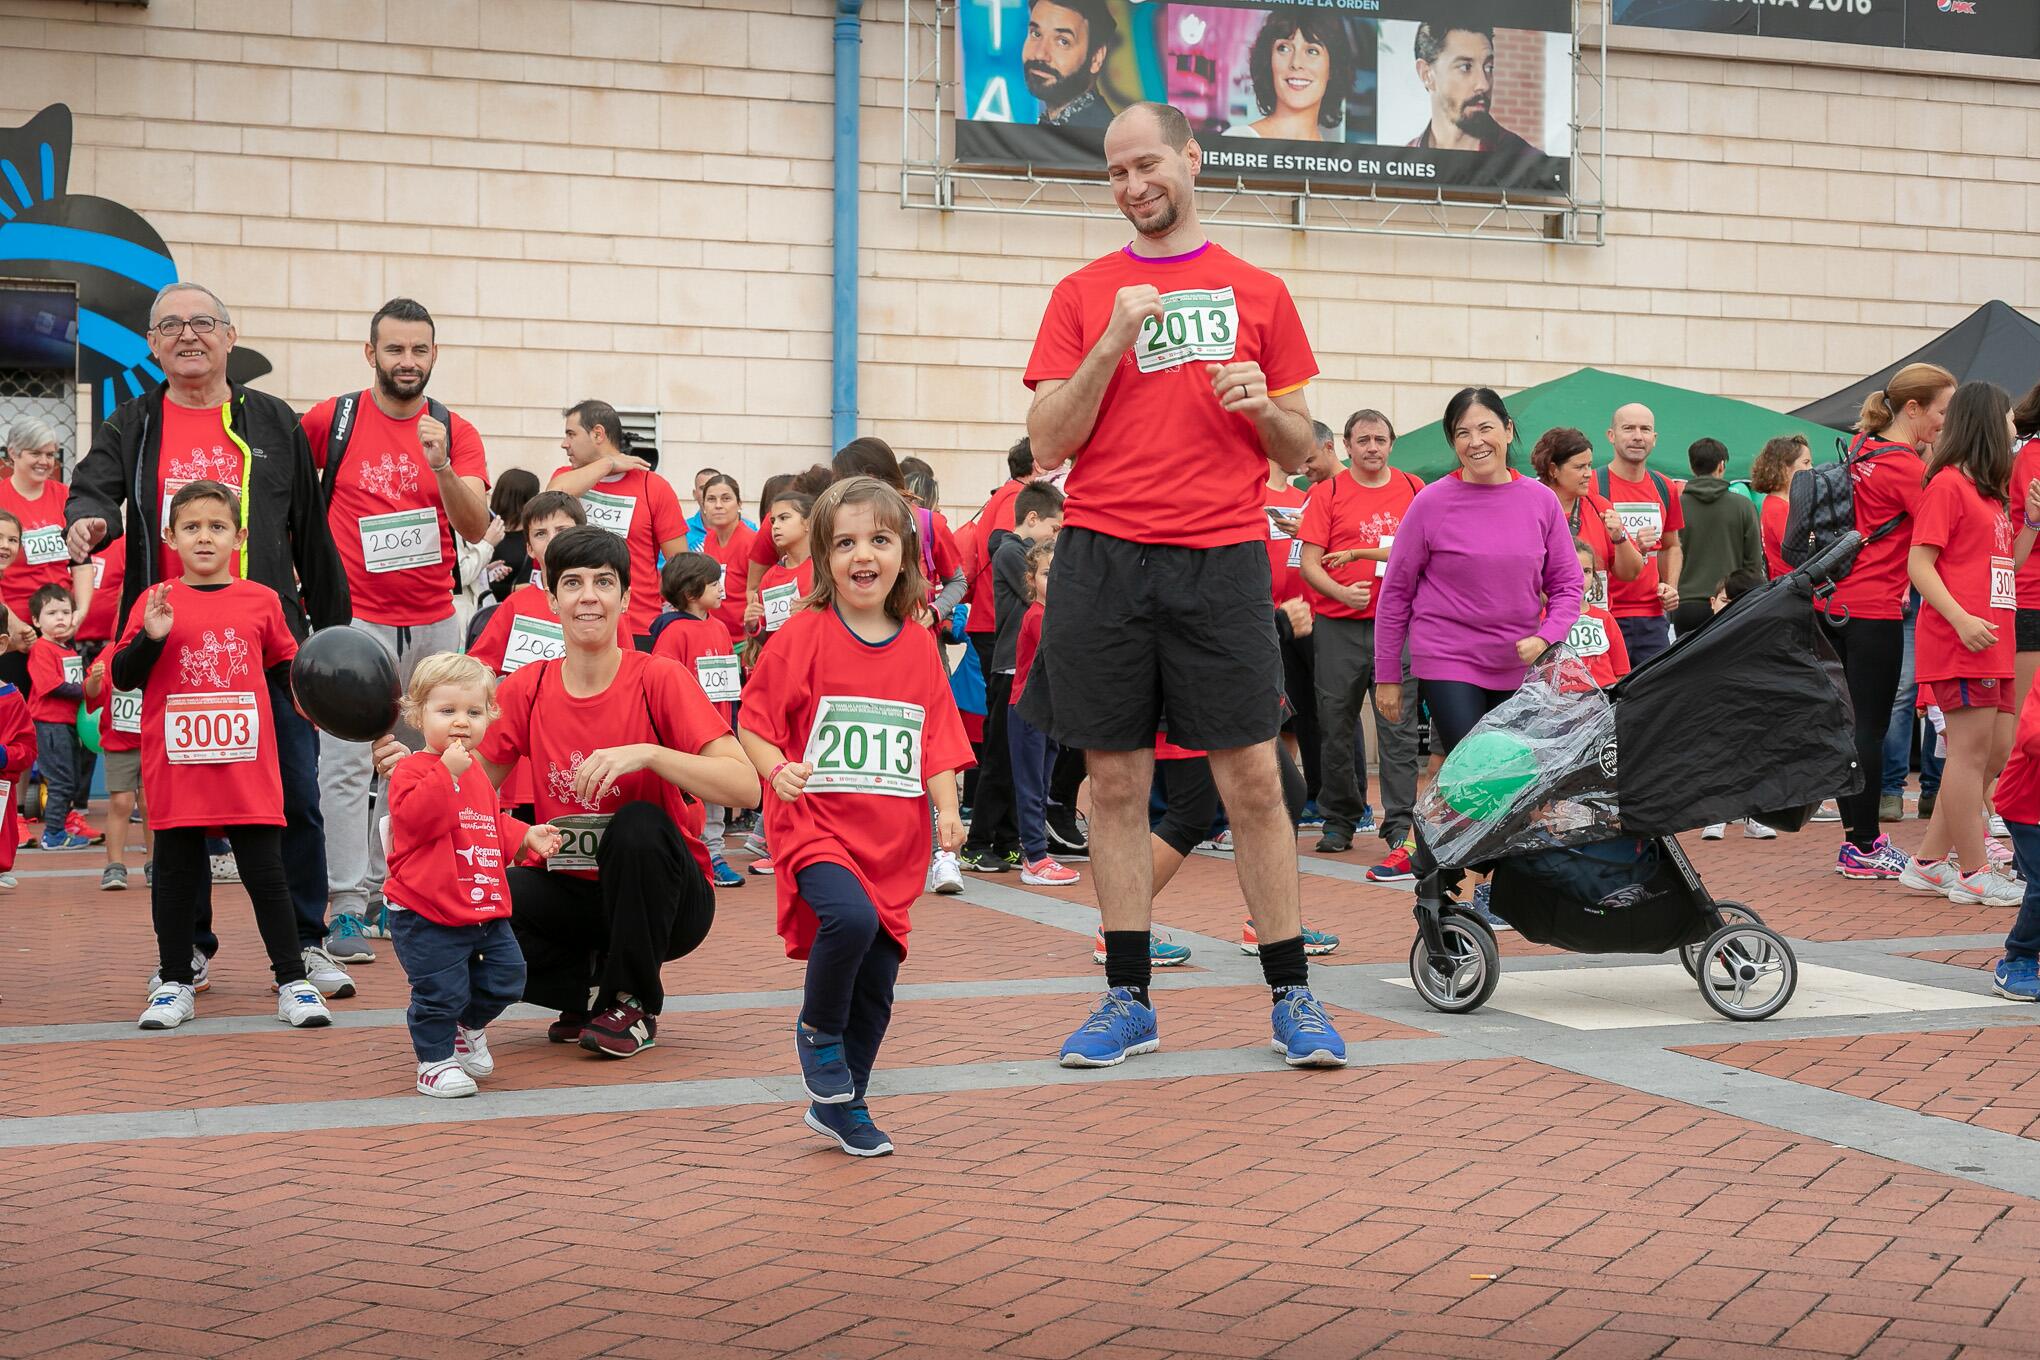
(1394,868)
(622,1031)
(76,825)
(567,1029)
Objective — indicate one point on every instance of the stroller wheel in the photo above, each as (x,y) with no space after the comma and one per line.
(1747,972)
(1466,976)
(1730,913)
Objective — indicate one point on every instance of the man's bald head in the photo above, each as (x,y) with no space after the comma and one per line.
(1168,121)
(1632,431)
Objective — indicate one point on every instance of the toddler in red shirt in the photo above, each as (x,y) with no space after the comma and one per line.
(56,678)
(202,650)
(850,720)
(1594,636)
(449,909)
(1033,754)
(120,741)
(693,636)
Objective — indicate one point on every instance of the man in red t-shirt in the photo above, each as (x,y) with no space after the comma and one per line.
(1171,354)
(624,750)
(1649,507)
(399,482)
(623,494)
(1348,529)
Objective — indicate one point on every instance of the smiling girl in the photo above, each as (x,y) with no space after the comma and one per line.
(1302,70)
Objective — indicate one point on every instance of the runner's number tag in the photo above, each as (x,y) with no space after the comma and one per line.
(2004,588)
(721,679)
(581,836)
(605,511)
(74,670)
(125,708)
(211,729)
(1639,517)
(779,601)
(44,545)
(1195,323)
(1597,588)
(1589,636)
(532,639)
(401,540)
(860,745)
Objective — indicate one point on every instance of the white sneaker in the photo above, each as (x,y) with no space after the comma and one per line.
(299,1005)
(471,1051)
(1827,812)
(1988,889)
(170,1005)
(1715,832)
(1997,826)
(199,981)
(224,870)
(322,972)
(1222,843)
(445,1080)
(945,876)
(1754,830)
(1941,876)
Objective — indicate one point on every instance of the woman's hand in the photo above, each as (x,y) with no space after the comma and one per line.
(791,781)
(1529,649)
(493,535)
(1388,702)
(2033,502)
(595,776)
(1976,634)
(387,752)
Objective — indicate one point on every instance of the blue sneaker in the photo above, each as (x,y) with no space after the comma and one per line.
(1485,912)
(724,875)
(347,939)
(1313,817)
(1366,825)
(62,840)
(851,1127)
(376,925)
(1163,952)
(1119,1029)
(1303,1032)
(2017,979)
(822,1069)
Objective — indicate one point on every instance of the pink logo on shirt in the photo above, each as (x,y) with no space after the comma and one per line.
(217,662)
(391,478)
(222,464)
(560,783)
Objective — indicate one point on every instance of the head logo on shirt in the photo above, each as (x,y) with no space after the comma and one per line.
(390,478)
(221,464)
(560,783)
(217,661)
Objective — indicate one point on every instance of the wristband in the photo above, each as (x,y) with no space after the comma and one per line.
(1619,537)
(2029,523)
(773,778)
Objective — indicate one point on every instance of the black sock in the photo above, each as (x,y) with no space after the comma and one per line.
(1283,964)
(1127,963)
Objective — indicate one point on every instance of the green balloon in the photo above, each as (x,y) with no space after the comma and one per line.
(1486,773)
(88,729)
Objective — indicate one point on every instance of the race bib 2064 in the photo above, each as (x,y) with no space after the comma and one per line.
(1195,324)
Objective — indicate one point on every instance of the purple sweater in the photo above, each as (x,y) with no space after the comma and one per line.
(1470,574)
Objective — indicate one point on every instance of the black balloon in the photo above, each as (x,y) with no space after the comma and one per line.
(346,683)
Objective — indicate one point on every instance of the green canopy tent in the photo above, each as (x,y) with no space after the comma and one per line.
(1585,400)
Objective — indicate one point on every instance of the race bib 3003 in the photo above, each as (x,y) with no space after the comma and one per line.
(581,836)
(613,513)
(400,540)
(532,640)
(1195,324)
(862,745)
(211,729)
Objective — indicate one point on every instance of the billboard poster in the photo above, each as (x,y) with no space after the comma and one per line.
(2009,28)
(1432,94)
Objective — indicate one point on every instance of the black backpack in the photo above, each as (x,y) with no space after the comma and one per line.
(342,431)
(1823,504)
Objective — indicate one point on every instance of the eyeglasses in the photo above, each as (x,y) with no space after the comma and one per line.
(170,327)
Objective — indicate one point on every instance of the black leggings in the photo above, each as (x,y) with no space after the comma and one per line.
(1190,798)
(1873,654)
(851,967)
(183,893)
(1457,708)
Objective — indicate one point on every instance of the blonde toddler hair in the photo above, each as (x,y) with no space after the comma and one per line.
(447,668)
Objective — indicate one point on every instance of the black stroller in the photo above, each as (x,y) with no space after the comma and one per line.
(1748,717)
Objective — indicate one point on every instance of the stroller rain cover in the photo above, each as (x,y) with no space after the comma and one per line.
(1744,717)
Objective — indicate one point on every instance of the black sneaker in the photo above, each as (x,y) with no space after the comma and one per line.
(1068,837)
(982,861)
(851,1127)
(1337,840)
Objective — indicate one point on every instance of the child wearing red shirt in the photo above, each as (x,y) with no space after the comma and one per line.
(449,844)
(694,637)
(728,541)
(1964,563)
(791,578)
(850,720)
(1595,636)
(198,649)
(120,741)
(1034,755)
(56,678)
(17,736)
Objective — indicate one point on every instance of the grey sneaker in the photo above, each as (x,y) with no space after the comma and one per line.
(326,975)
(113,878)
(347,939)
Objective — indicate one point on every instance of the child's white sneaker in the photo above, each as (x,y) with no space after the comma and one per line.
(1987,889)
(170,1005)
(445,1080)
(1715,831)
(471,1051)
(299,1005)
(1754,830)
(1931,876)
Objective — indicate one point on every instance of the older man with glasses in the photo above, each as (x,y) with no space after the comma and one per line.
(198,424)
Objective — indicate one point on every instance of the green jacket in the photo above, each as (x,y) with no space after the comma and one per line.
(1722,536)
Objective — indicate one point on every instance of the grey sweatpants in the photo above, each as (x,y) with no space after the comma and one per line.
(1345,681)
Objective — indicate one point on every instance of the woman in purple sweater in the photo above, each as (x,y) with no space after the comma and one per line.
(1483,577)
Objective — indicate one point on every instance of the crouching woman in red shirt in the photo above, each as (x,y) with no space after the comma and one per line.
(624,750)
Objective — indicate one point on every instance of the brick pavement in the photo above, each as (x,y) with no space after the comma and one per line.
(1475,1196)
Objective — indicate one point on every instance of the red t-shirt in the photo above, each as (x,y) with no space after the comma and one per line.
(208,736)
(687,640)
(788,586)
(1887,484)
(1641,507)
(449,843)
(640,507)
(120,712)
(881,838)
(18,734)
(195,446)
(1343,514)
(2025,467)
(735,557)
(1975,537)
(44,560)
(1285,553)
(1159,410)
(2018,787)
(997,514)
(1772,518)
(1028,645)
(1597,639)
(946,558)
(389,521)
(51,664)
(650,700)
(102,615)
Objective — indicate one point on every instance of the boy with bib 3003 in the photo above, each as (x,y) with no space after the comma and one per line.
(201,650)
(849,718)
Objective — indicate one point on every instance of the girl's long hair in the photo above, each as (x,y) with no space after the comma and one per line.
(907,598)
(1977,440)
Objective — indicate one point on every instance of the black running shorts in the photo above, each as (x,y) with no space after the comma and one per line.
(1139,637)
(2025,630)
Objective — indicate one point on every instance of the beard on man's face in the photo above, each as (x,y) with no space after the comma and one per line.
(1054,89)
(1475,119)
(405,388)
